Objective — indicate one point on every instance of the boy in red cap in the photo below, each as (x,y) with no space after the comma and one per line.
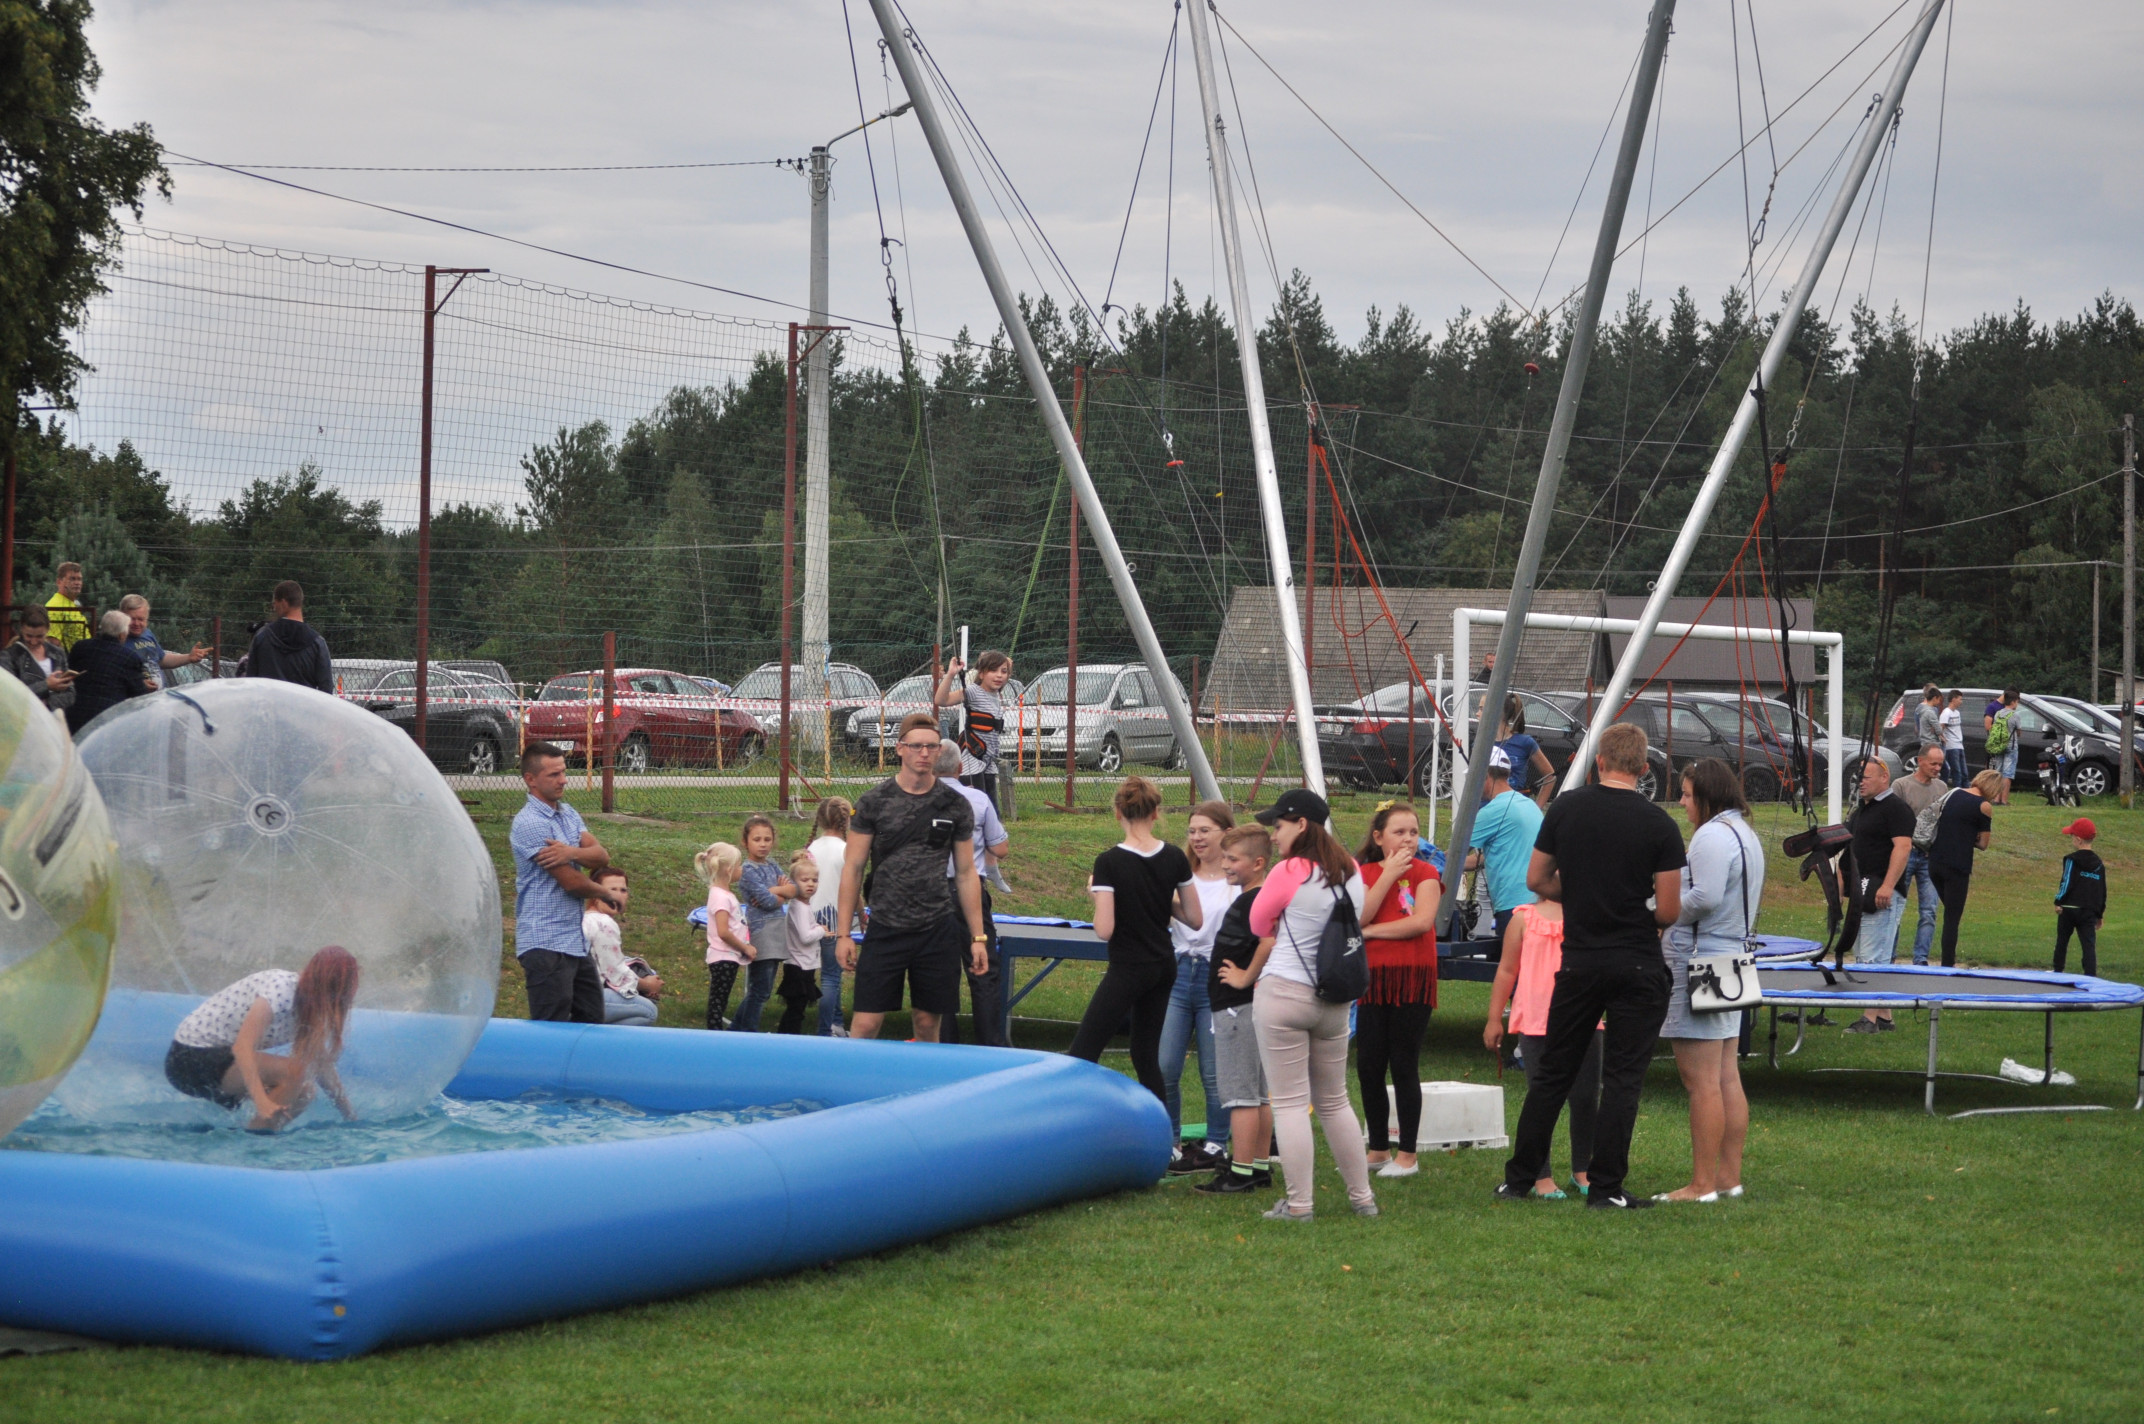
(2081,898)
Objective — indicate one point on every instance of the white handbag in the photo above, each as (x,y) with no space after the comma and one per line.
(1727,982)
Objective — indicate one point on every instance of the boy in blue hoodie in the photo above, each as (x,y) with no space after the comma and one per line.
(2081,898)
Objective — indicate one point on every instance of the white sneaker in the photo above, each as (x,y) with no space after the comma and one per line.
(839,1032)
(1394,1169)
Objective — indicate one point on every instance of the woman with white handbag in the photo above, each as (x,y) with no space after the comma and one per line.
(1707,950)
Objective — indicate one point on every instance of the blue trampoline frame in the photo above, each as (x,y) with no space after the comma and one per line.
(916,1141)
(1934,988)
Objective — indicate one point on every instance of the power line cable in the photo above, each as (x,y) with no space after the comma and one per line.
(795,164)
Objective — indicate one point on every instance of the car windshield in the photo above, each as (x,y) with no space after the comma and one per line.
(2071,719)
(763,682)
(1386,699)
(911,689)
(1094,685)
(566,689)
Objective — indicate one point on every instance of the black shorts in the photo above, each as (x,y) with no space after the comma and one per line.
(198,1073)
(928,960)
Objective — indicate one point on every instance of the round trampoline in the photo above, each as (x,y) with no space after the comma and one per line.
(1804,986)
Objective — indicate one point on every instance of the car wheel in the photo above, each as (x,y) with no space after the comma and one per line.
(2091,778)
(1760,784)
(635,756)
(1110,760)
(483,757)
(750,750)
(1177,761)
(1442,789)
(1649,784)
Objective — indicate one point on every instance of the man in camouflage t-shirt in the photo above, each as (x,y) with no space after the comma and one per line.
(905,827)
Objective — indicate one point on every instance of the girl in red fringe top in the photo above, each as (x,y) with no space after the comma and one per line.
(1400,938)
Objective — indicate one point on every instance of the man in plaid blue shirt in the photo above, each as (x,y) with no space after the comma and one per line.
(553,854)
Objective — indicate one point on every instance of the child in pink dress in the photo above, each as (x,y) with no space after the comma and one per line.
(729,946)
(1525,980)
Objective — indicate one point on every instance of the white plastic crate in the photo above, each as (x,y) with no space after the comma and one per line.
(1455,1115)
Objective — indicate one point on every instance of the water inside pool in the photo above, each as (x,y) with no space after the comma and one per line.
(448,1125)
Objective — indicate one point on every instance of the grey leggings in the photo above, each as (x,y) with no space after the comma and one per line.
(1585,1100)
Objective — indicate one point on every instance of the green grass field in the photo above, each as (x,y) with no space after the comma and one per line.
(1886,1265)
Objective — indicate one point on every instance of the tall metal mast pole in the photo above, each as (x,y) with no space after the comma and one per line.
(2129,609)
(1775,351)
(1053,414)
(1576,359)
(817,370)
(1254,400)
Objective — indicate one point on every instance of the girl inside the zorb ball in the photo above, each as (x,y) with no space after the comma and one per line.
(220,1051)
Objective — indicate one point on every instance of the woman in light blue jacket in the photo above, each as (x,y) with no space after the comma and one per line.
(1722,887)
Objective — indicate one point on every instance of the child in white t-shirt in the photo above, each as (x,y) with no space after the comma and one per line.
(829,849)
(630,986)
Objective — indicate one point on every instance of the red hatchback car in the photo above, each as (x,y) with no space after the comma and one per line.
(661,718)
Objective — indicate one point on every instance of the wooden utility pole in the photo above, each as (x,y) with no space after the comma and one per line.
(2129,609)
(432,303)
(2095,632)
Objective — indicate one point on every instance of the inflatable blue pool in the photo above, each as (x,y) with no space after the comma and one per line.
(915,1141)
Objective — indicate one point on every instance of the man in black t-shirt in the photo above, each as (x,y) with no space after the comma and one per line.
(906,827)
(1605,851)
(1882,827)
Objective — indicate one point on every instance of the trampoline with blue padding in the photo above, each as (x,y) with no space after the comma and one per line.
(1803,986)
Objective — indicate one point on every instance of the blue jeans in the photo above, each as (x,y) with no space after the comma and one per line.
(1924,896)
(761,976)
(1954,770)
(1877,941)
(829,988)
(1189,1013)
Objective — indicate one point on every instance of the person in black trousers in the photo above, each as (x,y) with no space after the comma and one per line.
(2081,898)
(1961,829)
(1603,850)
(1138,886)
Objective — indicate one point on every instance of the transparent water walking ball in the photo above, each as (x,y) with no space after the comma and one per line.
(59,906)
(257,822)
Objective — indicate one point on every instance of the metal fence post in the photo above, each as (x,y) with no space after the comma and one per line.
(610,712)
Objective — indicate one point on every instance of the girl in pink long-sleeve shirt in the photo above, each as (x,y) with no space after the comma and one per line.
(1302,1040)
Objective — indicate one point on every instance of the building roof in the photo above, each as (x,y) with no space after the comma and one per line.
(1354,650)
(1710,664)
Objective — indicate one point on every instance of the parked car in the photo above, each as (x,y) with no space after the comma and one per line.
(2093,746)
(870,728)
(662,718)
(1121,717)
(1760,741)
(468,720)
(759,693)
(1556,725)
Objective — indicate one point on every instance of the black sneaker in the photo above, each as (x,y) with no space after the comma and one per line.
(1190,1159)
(1508,1193)
(1263,1176)
(1886,1026)
(1228,1182)
(1619,1201)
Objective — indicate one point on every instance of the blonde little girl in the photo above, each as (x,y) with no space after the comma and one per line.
(729,948)
(800,973)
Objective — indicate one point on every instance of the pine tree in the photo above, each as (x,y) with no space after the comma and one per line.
(113,565)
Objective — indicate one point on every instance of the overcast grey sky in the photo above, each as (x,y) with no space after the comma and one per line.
(1485,115)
